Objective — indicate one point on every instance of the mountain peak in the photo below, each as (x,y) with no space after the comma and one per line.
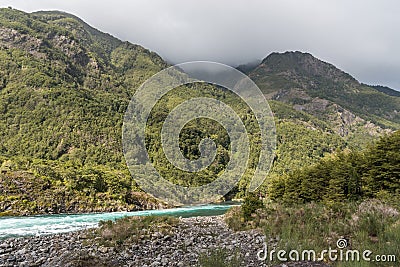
(288,54)
(301,64)
(302,79)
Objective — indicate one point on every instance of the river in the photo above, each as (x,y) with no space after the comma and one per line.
(62,223)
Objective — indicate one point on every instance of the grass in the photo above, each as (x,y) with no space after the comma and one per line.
(370,225)
(130,230)
(219,258)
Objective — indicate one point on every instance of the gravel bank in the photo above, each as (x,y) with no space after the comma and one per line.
(182,247)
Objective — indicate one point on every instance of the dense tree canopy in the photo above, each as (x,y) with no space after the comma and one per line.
(374,172)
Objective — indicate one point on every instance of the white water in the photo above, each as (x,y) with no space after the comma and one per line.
(53,224)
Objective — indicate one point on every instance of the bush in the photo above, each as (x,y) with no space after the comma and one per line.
(251,203)
(233,218)
(132,229)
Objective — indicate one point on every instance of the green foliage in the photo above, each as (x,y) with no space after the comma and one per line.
(299,146)
(346,176)
(62,102)
(250,205)
(386,90)
(56,187)
(234,218)
(195,131)
(382,166)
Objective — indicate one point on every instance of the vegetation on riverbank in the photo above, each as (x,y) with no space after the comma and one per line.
(130,230)
(349,175)
(43,186)
(354,196)
(369,225)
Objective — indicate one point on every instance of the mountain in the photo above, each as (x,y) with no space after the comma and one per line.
(65,86)
(63,92)
(319,88)
(246,68)
(59,72)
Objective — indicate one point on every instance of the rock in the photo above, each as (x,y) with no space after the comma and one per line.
(83,236)
(188,243)
(103,249)
(164,261)
(21,252)
(156,263)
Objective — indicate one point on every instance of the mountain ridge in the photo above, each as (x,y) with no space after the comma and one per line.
(300,78)
(386,90)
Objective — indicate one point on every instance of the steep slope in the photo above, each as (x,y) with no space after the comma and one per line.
(63,92)
(53,80)
(323,90)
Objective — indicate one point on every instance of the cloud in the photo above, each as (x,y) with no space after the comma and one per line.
(358,36)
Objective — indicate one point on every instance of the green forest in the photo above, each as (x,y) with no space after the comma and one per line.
(64,89)
(345,176)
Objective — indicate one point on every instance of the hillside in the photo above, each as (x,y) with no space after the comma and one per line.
(386,90)
(64,89)
(325,91)
(320,109)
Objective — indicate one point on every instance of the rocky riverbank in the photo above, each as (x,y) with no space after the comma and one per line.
(190,239)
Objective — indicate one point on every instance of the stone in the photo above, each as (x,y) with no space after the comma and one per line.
(103,249)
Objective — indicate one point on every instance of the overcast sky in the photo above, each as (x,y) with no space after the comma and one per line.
(361,37)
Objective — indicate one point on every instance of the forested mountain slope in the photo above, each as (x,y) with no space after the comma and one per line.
(64,88)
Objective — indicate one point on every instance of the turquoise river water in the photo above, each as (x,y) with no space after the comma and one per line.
(62,223)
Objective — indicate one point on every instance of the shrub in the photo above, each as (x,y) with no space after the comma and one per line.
(251,203)
(132,229)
